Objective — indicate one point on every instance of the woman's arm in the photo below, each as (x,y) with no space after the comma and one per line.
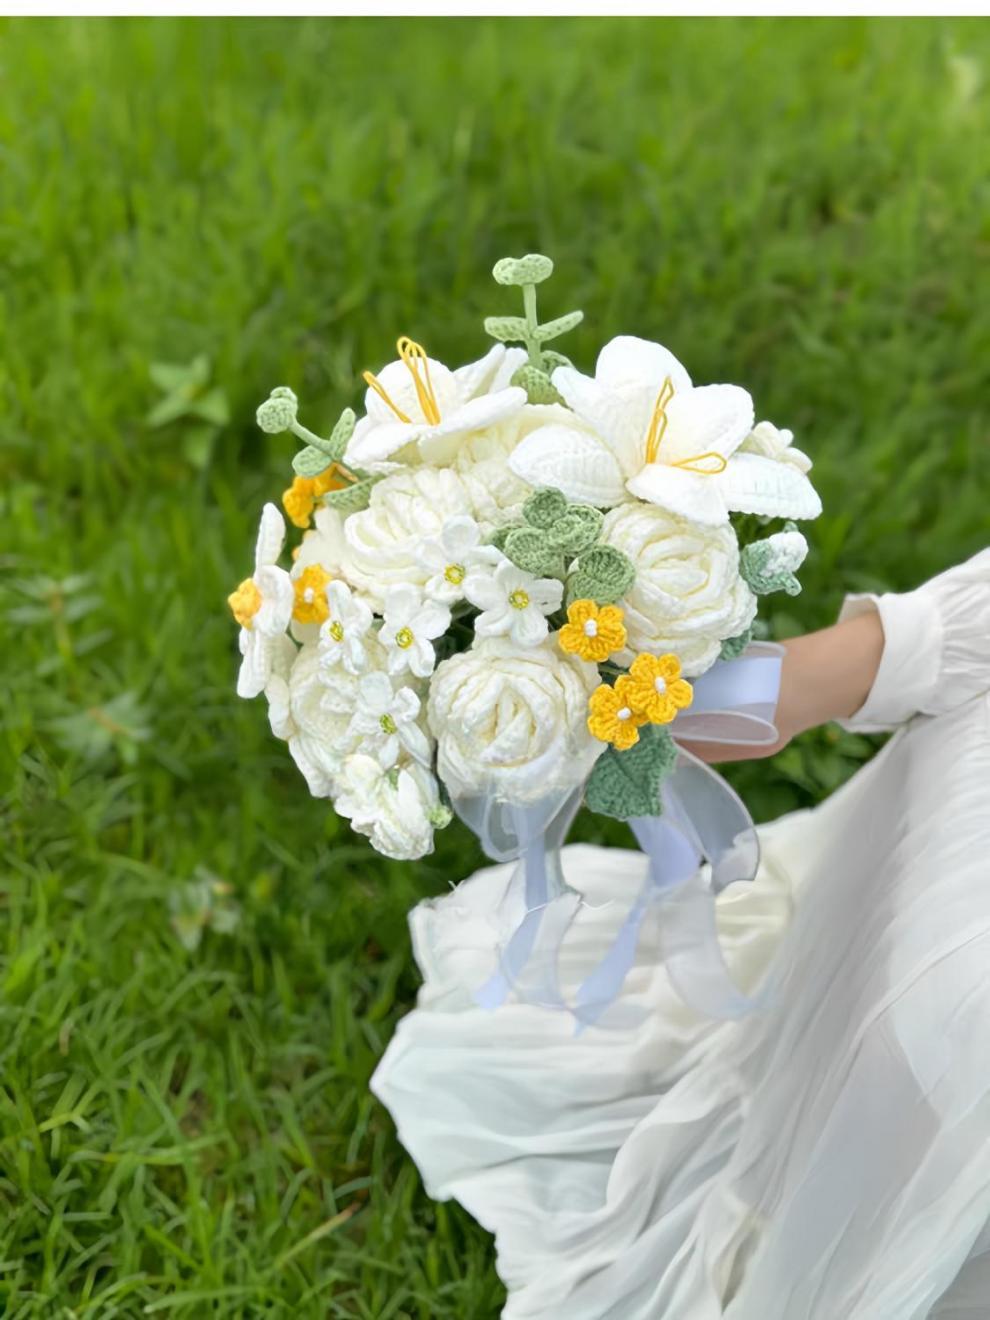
(826,675)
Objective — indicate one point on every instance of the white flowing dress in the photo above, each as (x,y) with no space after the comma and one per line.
(827,1158)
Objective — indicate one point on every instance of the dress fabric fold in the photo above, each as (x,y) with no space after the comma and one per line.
(826,1158)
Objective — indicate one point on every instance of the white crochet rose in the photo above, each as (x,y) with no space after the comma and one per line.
(688,596)
(311,708)
(512,722)
(396,809)
(378,548)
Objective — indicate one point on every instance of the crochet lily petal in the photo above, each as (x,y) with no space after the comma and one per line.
(752,484)
(576,463)
(687,494)
(626,358)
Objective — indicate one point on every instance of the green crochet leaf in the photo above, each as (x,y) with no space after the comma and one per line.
(527,548)
(733,647)
(310,462)
(544,507)
(531,269)
(501,535)
(536,383)
(576,530)
(559,326)
(602,574)
(505,328)
(553,359)
(340,436)
(627,784)
(353,498)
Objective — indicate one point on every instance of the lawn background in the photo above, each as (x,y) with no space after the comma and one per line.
(799,206)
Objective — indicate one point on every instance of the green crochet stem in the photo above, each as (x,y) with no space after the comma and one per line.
(533,347)
(534,376)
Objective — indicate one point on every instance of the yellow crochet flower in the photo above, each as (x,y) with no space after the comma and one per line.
(311,604)
(611,717)
(656,690)
(593,632)
(299,500)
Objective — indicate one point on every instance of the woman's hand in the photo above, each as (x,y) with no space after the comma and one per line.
(826,675)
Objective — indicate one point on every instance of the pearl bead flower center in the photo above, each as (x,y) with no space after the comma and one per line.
(623,714)
(591,628)
(661,685)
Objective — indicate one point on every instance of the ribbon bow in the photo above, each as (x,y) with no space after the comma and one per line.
(702,820)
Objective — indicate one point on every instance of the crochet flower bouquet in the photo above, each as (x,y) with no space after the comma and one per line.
(517,587)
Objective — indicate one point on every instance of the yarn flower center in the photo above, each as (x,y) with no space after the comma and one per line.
(245,602)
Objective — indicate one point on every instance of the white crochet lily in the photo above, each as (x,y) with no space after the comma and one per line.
(451,556)
(655,437)
(386,721)
(343,633)
(513,603)
(411,626)
(418,401)
(262,605)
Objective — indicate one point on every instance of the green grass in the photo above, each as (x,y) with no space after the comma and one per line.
(797,206)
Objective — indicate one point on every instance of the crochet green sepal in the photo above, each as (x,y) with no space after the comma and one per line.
(769,565)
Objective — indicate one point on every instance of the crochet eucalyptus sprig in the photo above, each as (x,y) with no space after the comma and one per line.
(318,456)
(559,539)
(534,376)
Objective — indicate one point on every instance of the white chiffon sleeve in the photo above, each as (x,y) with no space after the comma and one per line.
(936,651)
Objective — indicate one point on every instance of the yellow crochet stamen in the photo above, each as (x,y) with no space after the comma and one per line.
(695,464)
(700,464)
(414,356)
(379,389)
(416,361)
(658,421)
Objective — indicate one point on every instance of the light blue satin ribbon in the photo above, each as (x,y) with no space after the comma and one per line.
(702,819)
